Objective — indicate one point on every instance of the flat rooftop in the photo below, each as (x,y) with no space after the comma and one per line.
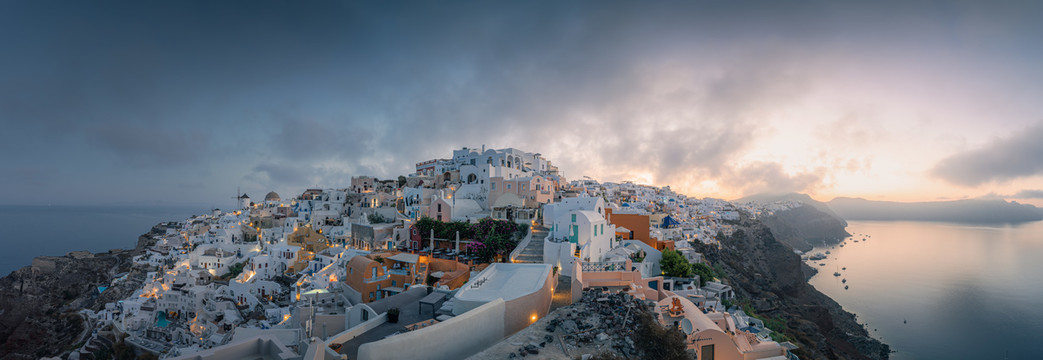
(504,280)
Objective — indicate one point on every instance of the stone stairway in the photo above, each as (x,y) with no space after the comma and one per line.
(533,253)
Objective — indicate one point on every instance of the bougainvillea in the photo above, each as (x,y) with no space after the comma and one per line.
(488,237)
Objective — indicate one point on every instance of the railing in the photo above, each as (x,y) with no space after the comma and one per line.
(399,272)
(604,266)
(521,245)
(378,278)
(553,239)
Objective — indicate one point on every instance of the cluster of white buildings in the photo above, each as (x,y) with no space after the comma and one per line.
(301,278)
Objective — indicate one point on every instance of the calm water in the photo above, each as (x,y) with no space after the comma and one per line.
(967,291)
(30,231)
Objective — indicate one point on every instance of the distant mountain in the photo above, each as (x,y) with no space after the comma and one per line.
(971,210)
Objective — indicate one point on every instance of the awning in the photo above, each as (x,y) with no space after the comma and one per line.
(405,257)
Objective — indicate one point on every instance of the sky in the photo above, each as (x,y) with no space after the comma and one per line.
(186,101)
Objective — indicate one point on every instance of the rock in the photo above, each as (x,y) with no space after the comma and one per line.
(569,326)
(603,337)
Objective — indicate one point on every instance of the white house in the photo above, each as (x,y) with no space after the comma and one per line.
(591,233)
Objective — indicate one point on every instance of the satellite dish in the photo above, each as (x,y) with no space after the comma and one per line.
(686,326)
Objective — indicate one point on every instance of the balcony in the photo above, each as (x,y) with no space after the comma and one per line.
(402,272)
(375,279)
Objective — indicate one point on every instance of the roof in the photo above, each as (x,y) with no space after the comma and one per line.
(244,196)
(700,321)
(272,196)
(359,263)
(505,280)
(669,221)
(405,257)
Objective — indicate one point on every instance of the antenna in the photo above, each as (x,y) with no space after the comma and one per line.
(686,326)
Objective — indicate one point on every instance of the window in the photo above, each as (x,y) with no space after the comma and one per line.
(492,186)
(573,217)
(392,284)
(508,186)
(374,272)
(365,315)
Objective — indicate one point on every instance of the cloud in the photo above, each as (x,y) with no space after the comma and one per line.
(144,146)
(1017,156)
(1027,194)
(769,177)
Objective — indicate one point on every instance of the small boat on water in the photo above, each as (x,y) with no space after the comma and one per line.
(836,274)
(844,268)
(827,252)
(845,287)
(843,281)
(821,264)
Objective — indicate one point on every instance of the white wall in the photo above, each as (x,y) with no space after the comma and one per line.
(558,254)
(456,338)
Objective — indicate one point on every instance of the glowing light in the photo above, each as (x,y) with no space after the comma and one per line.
(533,318)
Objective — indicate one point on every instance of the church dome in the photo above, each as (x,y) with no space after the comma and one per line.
(272,196)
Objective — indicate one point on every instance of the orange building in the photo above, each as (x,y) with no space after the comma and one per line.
(396,272)
(639,225)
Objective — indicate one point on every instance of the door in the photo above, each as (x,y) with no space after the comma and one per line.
(706,352)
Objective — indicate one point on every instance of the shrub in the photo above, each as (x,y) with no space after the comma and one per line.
(674,264)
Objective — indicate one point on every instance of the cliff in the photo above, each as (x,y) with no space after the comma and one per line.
(770,278)
(806,226)
(40,303)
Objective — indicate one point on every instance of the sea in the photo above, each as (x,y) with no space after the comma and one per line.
(942,290)
(30,231)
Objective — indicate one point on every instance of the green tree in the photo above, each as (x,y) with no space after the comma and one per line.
(705,273)
(674,264)
(401,181)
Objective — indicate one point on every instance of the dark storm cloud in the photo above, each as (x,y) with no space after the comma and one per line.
(1017,156)
(150,146)
(288,94)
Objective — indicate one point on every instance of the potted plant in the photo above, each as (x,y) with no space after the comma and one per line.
(393,315)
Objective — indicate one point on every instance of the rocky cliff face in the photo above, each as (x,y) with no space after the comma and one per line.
(40,304)
(805,226)
(772,278)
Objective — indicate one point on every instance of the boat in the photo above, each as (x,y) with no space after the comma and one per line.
(843,281)
(844,268)
(827,252)
(821,264)
(836,274)
(845,287)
